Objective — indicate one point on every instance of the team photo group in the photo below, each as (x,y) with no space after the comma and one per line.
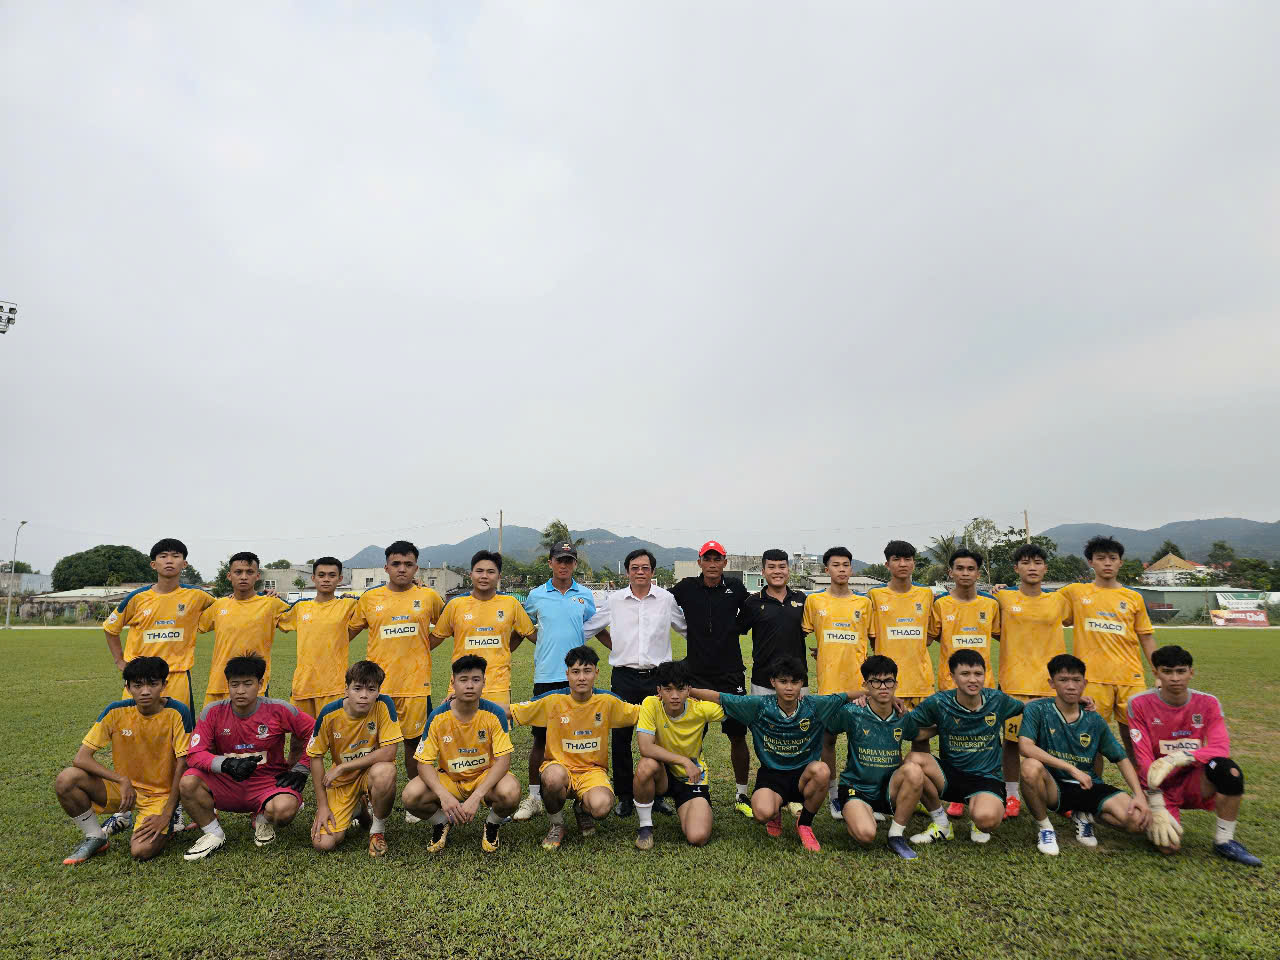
(1035,735)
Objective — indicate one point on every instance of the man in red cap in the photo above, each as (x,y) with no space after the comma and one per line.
(711,603)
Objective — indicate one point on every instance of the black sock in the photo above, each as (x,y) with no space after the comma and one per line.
(806,817)
(491,831)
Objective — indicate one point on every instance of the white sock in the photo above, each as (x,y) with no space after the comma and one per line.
(493,818)
(897,829)
(214,828)
(1011,788)
(438,818)
(940,816)
(379,824)
(535,791)
(1224,831)
(259,819)
(556,818)
(833,791)
(1045,824)
(742,790)
(90,827)
(644,813)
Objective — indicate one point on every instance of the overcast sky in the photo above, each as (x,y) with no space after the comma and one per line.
(299,278)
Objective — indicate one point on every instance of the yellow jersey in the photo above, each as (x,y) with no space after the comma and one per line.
(240,628)
(145,749)
(963,625)
(840,626)
(682,734)
(484,627)
(577,732)
(899,624)
(1107,621)
(1031,635)
(465,751)
(323,644)
(160,624)
(345,737)
(399,624)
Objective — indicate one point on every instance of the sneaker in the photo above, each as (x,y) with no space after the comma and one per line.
(978,836)
(554,837)
(439,837)
(489,837)
(1048,842)
(833,807)
(1232,850)
(264,831)
(807,839)
(117,823)
(1012,807)
(644,838)
(1084,829)
(743,805)
(410,818)
(377,844)
(625,807)
(794,809)
(664,807)
(529,806)
(180,823)
(774,827)
(879,817)
(586,822)
(92,846)
(955,809)
(935,832)
(903,849)
(204,847)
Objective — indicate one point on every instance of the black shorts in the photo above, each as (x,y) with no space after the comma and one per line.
(785,783)
(681,792)
(877,800)
(540,733)
(1071,796)
(960,786)
(726,683)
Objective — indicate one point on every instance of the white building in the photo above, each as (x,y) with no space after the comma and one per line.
(1170,569)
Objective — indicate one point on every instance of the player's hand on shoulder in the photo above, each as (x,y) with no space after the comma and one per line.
(1087,703)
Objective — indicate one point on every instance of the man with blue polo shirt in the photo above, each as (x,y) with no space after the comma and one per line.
(558,608)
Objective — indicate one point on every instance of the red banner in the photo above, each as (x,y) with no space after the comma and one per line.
(1239,618)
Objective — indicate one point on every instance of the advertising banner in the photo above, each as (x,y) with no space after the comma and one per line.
(1238,618)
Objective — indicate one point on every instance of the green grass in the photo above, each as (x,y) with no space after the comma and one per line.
(743,894)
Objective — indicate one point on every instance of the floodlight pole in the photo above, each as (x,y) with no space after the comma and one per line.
(13,572)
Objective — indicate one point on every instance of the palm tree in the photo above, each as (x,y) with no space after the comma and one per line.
(557,531)
(942,547)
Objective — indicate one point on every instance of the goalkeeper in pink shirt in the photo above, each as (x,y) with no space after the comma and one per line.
(1183,754)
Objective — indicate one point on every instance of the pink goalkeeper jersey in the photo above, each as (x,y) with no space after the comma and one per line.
(220,733)
(1159,729)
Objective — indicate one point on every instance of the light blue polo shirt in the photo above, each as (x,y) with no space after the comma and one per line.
(559,617)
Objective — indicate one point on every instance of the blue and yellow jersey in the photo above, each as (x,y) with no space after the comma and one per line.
(146,749)
(899,625)
(323,645)
(345,737)
(964,625)
(160,624)
(577,731)
(484,628)
(839,624)
(682,735)
(465,751)
(399,624)
(1031,635)
(240,628)
(1107,622)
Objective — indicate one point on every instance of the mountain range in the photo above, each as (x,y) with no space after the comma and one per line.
(1250,538)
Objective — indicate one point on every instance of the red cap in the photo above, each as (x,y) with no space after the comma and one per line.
(713,545)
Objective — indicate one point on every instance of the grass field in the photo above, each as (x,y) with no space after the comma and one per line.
(742,895)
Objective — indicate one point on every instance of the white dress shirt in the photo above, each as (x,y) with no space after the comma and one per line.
(640,626)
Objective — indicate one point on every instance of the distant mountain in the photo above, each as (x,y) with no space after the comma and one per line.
(602,548)
(1250,538)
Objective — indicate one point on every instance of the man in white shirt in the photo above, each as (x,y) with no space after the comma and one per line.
(635,623)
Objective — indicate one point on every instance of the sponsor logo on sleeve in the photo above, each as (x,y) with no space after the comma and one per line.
(195,739)
(1135,734)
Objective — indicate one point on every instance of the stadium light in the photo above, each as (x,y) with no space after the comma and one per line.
(13,572)
(8,315)
(490,529)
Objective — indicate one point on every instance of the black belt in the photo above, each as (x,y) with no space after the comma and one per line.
(637,669)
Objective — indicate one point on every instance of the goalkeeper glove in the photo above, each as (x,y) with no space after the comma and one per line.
(1164,831)
(294,779)
(1162,767)
(239,769)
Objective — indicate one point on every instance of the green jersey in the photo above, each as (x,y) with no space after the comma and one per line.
(969,741)
(784,742)
(1077,742)
(875,748)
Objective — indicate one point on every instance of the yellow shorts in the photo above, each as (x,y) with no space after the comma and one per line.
(178,687)
(460,789)
(1111,700)
(312,706)
(346,800)
(582,781)
(1013,725)
(411,712)
(146,804)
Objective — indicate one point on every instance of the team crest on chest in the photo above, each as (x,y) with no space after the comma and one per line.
(1085,740)
(263,729)
(919,607)
(990,719)
(982,616)
(1124,605)
(1197,720)
(502,614)
(897,733)
(182,608)
(481,736)
(804,724)
(372,726)
(599,717)
(417,604)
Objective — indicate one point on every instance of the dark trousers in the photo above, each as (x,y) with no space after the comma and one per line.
(632,686)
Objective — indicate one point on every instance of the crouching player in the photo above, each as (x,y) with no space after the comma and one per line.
(362,733)
(578,725)
(1183,754)
(464,760)
(1059,741)
(875,780)
(237,759)
(148,735)
(670,733)
(969,722)
(787,730)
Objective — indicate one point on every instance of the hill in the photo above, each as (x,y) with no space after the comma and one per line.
(1250,538)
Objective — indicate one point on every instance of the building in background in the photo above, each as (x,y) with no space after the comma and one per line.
(25,583)
(1170,569)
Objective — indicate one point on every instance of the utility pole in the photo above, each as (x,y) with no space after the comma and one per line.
(1026,525)
(499,530)
(13,574)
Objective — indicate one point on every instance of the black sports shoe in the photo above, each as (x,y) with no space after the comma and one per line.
(664,807)
(626,807)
